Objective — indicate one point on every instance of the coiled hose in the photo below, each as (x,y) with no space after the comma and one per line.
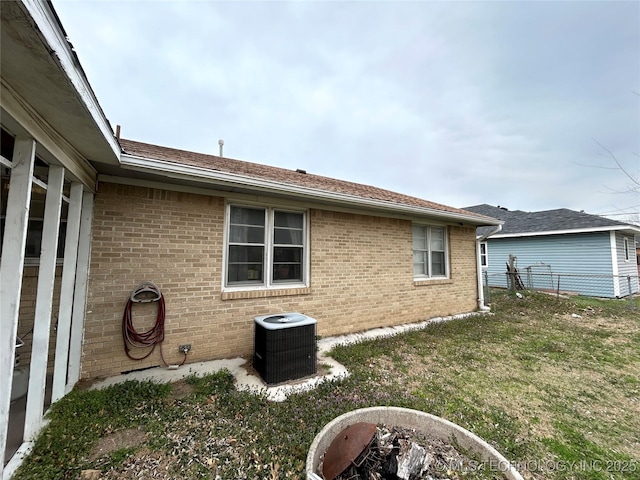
(144,293)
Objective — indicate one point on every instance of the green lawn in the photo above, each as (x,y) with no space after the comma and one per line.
(553,384)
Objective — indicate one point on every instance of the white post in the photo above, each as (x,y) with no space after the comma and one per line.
(615,271)
(66,293)
(44,303)
(481,306)
(11,269)
(80,294)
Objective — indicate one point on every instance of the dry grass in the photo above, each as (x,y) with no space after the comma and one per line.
(564,376)
(553,384)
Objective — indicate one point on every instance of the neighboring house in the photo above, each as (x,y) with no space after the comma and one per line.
(87,217)
(585,254)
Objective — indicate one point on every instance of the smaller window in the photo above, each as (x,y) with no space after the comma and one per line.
(627,255)
(484,256)
(288,234)
(245,261)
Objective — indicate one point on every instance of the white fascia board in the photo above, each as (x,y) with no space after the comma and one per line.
(205,175)
(52,34)
(45,135)
(628,228)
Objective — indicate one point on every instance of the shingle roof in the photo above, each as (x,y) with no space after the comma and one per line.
(558,220)
(284,176)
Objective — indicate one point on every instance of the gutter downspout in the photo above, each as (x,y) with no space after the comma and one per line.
(481,306)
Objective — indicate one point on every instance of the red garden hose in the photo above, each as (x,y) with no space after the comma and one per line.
(144,293)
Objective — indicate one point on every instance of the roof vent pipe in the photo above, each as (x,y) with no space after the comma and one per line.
(221,143)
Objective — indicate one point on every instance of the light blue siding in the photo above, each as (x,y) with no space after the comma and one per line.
(626,268)
(586,256)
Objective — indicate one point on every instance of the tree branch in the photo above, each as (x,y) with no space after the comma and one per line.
(634,180)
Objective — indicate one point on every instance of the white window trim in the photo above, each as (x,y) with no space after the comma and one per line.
(625,246)
(447,269)
(484,255)
(268,283)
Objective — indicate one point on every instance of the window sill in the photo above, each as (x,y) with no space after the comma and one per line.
(426,282)
(276,292)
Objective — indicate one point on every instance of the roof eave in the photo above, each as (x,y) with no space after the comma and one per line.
(97,142)
(622,228)
(217,177)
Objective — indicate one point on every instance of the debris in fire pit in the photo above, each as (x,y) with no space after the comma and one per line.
(397,453)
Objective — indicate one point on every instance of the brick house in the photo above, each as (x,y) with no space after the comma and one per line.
(353,254)
(86,217)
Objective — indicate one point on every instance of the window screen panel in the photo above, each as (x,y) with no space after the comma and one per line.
(287,263)
(245,264)
(288,228)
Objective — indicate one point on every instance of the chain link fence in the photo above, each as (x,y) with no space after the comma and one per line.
(542,278)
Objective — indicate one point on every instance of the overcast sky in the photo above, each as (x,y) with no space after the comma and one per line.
(460,103)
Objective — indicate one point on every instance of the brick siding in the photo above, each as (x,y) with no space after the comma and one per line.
(26,316)
(361,277)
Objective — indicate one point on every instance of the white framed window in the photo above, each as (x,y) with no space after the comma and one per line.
(265,247)
(627,255)
(484,254)
(430,252)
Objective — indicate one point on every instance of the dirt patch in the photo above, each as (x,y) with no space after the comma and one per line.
(587,319)
(129,438)
(180,390)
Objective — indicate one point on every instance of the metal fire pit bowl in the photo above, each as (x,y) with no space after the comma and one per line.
(346,447)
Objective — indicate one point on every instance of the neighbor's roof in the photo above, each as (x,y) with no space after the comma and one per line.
(212,169)
(548,222)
